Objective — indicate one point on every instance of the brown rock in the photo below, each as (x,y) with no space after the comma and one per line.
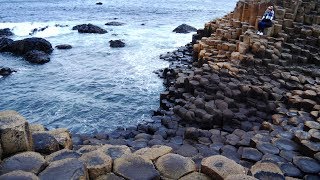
(36,128)
(153,153)
(240,177)
(219,167)
(62,135)
(115,151)
(110,176)
(97,163)
(195,176)
(14,133)
(266,170)
(174,166)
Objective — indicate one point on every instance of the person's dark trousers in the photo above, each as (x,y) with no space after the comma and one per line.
(265,23)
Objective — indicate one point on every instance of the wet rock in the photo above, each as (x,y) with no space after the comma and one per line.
(115,151)
(14,132)
(306,164)
(251,154)
(184,28)
(153,153)
(290,170)
(285,144)
(62,154)
(266,170)
(97,163)
(19,175)
(114,23)
(116,43)
(21,47)
(135,167)
(5,44)
(45,143)
(220,167)
(5,32)
(89,28)
(37,57)
(65,169)
(5,71)
(26,161)
(174,166)
(195,176)
(267,148)
(64,46)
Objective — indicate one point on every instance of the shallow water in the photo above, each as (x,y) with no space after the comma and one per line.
(92,87)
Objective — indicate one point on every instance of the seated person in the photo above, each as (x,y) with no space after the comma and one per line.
(266,20)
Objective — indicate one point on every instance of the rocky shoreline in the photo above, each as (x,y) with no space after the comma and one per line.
(237,106)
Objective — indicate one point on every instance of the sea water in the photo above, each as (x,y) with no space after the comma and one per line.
(94,88)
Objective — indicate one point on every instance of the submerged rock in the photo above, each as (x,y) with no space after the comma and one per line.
(114,23)
(184,28)
(64,46)
(89,28)
(116,43)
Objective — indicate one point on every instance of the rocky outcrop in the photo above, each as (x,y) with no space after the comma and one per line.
(117,43)
(184,28)
(89,28)
(21,47)
(5,32)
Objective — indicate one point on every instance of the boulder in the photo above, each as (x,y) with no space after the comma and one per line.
(114,23)
(63,46)
(135,168)
(19,175)
(240,177)
(116,43)
(36,128)
(87,148)
(65,169)
(63,136)
(5,32)
(62,154)
(174,166)
(220,167)
(153,153)
(27,161)
(14,133)
(45,143)
(115,151)
(251,154)
(184,28)
(5,71)
(23,46)
(89,28)
(37,57)
(97,163)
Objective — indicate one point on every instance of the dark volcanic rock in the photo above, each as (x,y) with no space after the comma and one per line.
(45,143)
(5,44)
(64,46)
(5,32)
(184,28)
(99,3)
(114,23)
(5,71)
(251,154)
(37,57)
(89,28)
(116,43)
(21,47)
(306,164)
